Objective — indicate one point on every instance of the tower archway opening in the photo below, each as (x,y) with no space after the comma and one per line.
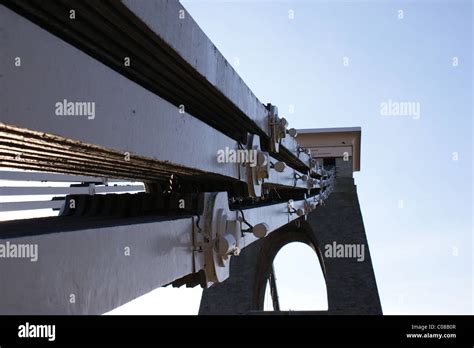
(296,281)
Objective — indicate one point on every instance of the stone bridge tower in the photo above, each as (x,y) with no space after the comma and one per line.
(351,285)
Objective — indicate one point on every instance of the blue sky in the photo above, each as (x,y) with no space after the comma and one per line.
(416,198)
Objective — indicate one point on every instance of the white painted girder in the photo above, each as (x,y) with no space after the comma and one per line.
(128,118)
(102,268)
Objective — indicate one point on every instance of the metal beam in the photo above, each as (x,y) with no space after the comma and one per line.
(136,120)
(273,289)
(76,261)
(68,276)
(143,124)
(111,32)
(31,205)
(10,175)
(28,190)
